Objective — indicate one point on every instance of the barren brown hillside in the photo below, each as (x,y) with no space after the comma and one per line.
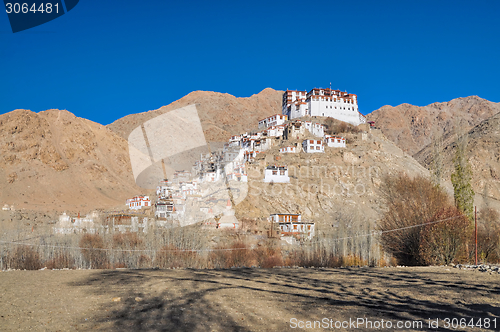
(54,160)
(221,114)
(484,156)
(341,183)
(413,127)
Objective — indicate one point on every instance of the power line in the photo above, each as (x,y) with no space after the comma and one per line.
(374,233)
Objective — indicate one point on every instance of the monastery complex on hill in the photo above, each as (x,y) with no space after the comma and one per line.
(335,104)
(201,194)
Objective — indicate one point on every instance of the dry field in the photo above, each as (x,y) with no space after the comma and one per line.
(245,299)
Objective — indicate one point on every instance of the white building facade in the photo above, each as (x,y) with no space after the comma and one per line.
(274,120)
(335,141)
(138,202)
(336,104)
(313,146)
(288,149)
(304,230)
(278,174)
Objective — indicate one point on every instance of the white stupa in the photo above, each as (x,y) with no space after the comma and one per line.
(228,220)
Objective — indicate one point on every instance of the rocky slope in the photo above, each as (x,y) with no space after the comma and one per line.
(338,185)
(54,160)
(221,114)
(484,156)
(413,127)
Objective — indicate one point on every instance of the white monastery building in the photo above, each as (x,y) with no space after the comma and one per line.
(335,104)
(274,120)
(138,202)
(335,141)
(292,226)
(313,146)
(285,217)
(288,149)
(278,174)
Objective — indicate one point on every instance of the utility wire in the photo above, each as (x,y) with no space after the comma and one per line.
(374,233)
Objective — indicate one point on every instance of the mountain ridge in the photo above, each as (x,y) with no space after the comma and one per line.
(413,127)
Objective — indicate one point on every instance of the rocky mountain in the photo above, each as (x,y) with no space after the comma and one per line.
(221,115)
(484,156)
(340,184)
(413,127)
(53,160)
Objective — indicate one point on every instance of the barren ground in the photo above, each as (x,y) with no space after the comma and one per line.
(241,299)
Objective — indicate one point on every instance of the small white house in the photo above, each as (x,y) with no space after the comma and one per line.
(274,120)
(313,146)
(138,202)
(285,217)
(68,225)
(288,149)
(163,188)
(213,176)
(316,129)
(335,141)
(164,208)
(236,172)
(275,131)
(304,230)
(277,174)
(250,155)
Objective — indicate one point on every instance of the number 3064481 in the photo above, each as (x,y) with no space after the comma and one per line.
(24,8)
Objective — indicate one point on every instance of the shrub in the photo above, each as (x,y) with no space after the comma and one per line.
(237,254)
(127,240)
(25,258)
(269,255)
(171,256)
(410,202)
(445,242)
(92,250)
(488,236)
(60,261)
(144,261)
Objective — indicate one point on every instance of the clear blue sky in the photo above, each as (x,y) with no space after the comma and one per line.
(106,59)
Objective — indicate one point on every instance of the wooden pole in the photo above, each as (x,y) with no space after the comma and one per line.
(475,233)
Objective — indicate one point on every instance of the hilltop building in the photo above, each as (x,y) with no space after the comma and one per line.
(335,104)
(138,202)
(335,141)
(288,149)
(78,225)
(313,146)
(274,120)
(297,129)
(292,228)
(277,174)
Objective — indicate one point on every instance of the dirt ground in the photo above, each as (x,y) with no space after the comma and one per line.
(247,299)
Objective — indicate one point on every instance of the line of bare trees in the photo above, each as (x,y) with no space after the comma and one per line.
(420,226)
(190,247)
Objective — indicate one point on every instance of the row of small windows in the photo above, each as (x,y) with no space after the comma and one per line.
(342,108)
(348,101)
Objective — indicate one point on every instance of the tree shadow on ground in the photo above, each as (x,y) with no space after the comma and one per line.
(266,299)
